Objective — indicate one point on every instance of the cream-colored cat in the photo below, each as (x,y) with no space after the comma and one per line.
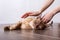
(28,23)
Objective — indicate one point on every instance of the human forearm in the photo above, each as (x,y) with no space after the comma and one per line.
(55,11)
(37,13)
(46,5)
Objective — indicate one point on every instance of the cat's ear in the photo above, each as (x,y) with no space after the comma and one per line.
(51,23)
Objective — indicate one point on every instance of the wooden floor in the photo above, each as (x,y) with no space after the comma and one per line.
(51,33)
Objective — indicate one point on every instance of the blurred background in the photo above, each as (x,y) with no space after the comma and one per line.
(12,10)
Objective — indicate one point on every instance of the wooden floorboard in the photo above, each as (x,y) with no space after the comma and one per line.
(51,33)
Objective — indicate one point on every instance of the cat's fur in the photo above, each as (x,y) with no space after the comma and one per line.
(28,23)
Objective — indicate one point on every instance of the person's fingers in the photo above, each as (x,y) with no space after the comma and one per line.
(47,21)
(44,20)
(33,14)
(30,13)
(24,16)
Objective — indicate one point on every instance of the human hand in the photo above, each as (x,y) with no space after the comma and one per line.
(35,13)
(46,18)
(26,14)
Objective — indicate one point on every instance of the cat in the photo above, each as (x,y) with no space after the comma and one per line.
(28,23)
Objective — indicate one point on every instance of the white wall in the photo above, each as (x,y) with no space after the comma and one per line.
(11,10)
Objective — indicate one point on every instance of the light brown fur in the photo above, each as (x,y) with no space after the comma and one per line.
(28,23)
